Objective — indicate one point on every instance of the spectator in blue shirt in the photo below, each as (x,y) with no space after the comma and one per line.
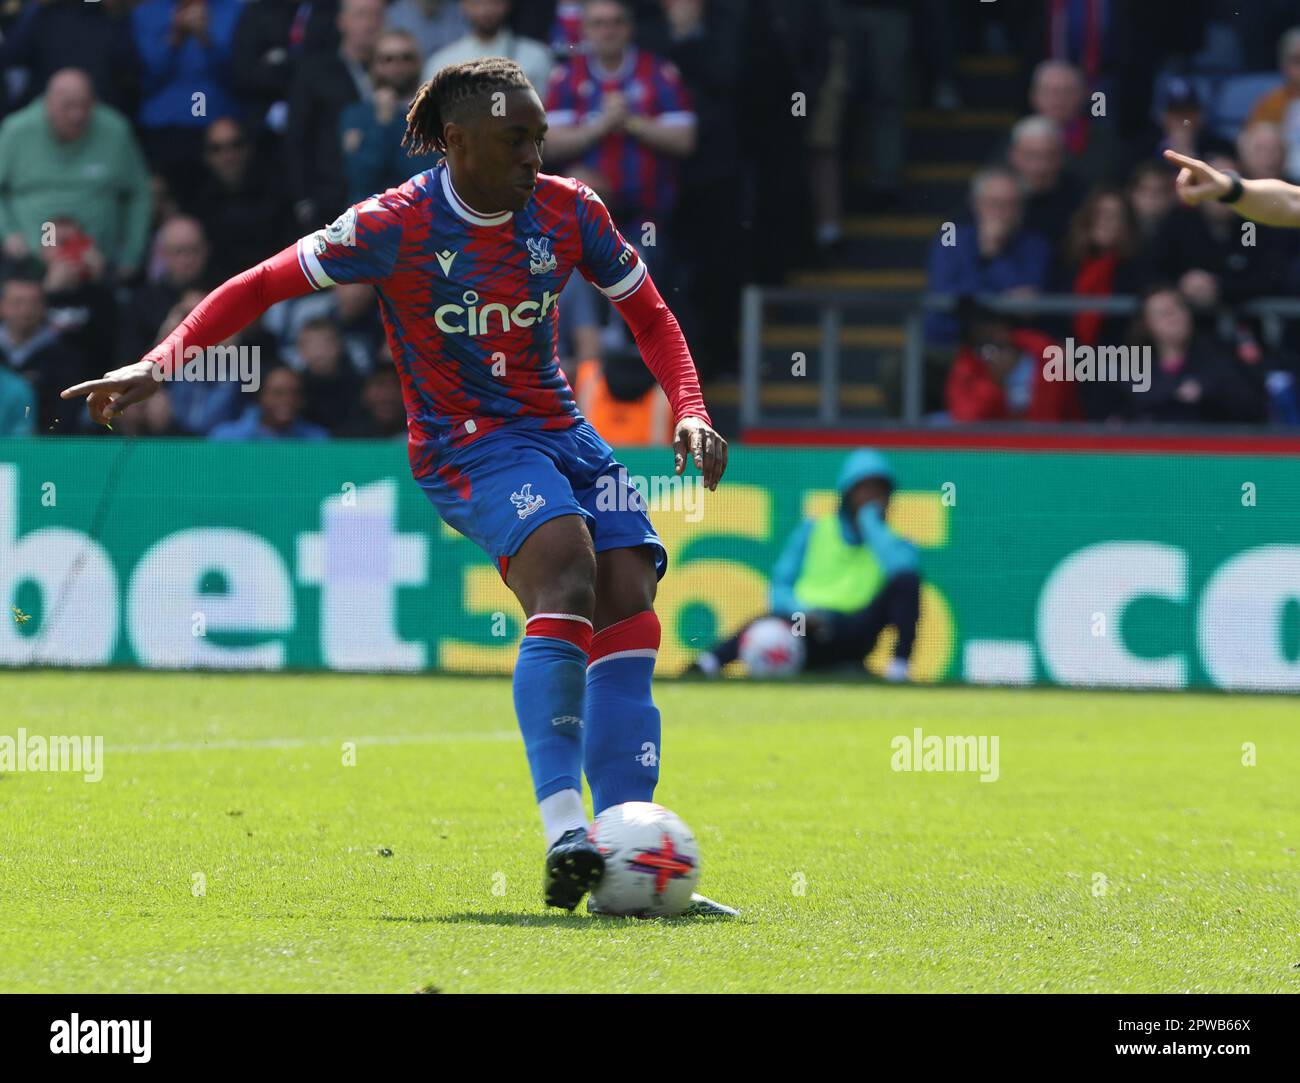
(276,416)
(372,131)
(185,49)
(991,254)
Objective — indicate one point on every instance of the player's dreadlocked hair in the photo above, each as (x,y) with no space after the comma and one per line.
(451,96)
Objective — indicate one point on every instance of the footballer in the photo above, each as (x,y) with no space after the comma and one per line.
(468,260)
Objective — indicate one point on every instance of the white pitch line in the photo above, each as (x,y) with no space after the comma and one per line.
(315,742)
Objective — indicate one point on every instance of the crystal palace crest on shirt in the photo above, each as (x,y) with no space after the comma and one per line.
(539,250)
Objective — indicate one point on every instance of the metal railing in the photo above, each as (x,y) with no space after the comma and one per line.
(910,309)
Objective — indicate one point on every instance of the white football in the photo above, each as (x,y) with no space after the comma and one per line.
(769,648)
(652,862)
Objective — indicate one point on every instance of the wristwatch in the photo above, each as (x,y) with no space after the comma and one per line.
(1236,191)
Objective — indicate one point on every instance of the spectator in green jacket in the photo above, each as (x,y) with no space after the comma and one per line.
(849,576)
(67,156)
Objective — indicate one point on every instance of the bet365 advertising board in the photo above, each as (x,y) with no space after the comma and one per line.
(1106,570)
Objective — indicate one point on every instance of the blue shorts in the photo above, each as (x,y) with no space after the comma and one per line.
(503,486)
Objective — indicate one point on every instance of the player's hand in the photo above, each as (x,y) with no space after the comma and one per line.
(115,391)
(1198,182)
(696,438)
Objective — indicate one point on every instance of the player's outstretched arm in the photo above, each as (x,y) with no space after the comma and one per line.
(225,311)
(1268,202)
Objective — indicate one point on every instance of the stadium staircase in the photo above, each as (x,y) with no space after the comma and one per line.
(885,254)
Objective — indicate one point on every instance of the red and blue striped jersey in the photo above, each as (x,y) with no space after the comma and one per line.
(469,301)
(641,180)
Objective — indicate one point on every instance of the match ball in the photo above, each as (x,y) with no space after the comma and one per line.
(769,648)
(652,862)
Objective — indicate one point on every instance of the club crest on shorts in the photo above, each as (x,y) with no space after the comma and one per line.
(539,250)
(525,502)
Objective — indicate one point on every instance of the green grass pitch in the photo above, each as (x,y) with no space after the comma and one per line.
(419,866)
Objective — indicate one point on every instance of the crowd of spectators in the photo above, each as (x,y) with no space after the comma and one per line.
(150,149)
(1077,202)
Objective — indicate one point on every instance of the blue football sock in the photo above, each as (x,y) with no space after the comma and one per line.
(549,687)
(621,758)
